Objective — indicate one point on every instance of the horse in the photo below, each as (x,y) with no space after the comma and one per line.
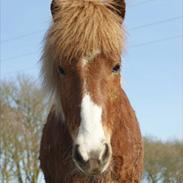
(92,134)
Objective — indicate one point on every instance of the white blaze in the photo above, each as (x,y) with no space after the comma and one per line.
(91,134)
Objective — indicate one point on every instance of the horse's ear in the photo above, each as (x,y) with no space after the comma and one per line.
(120,7)
(54,8)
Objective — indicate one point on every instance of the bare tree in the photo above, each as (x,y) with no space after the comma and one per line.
(163,161)
(22,114)
(21,121)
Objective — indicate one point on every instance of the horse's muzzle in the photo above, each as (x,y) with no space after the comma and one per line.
(95,164)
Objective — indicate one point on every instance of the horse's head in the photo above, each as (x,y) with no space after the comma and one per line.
(81,67)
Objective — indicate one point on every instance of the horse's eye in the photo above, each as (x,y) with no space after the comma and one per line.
(116,68)
(61,70)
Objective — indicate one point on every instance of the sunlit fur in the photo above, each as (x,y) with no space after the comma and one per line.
(91,25)
(88,36)
(96,28)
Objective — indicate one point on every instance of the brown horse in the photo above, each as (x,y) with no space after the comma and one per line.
(92,134)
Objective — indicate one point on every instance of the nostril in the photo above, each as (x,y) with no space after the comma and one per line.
(92,162)
(106,154)
(77,155)
(94,165)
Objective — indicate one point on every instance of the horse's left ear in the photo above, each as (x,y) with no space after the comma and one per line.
(54,8)
(120,7)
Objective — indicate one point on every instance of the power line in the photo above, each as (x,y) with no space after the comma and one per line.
(138,27)
(156,41)
(19,56)
(133,28)
(156,23)
(130,46)
(22,36)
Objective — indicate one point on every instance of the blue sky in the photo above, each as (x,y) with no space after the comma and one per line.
(152,72)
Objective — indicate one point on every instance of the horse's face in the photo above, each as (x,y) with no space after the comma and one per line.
(87,90)
(87,87)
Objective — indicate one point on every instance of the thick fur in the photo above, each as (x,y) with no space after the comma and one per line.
(127,146)
(82,28)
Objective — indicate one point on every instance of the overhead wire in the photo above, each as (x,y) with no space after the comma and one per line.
(130,46)
(156,41)
(130,29)
(19,56)
(159,22)
(133,28)
(22,36)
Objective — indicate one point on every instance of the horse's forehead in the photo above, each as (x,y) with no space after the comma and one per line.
(91,56)
(95,60)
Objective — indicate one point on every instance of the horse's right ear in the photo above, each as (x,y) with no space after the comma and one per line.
(54,8)
(120,7)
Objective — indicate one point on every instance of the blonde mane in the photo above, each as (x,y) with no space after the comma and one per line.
(91,133)
(82,27)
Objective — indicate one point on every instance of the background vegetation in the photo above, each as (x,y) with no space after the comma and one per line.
(22,116)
